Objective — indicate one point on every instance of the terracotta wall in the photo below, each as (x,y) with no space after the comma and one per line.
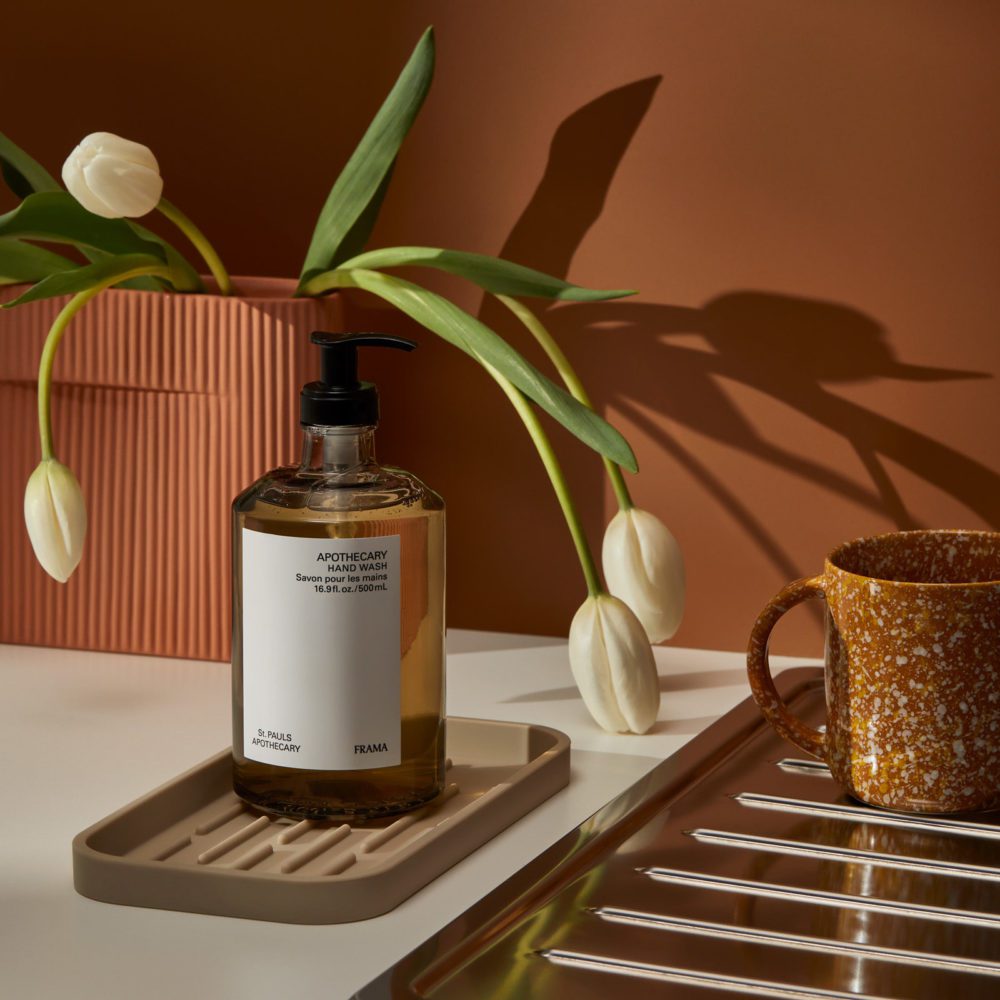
(804,193)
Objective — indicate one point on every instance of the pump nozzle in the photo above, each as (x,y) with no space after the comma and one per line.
(339,399)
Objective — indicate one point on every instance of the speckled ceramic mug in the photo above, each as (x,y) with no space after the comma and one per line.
(912,669)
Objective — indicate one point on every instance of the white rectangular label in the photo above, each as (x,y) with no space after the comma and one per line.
(321,661)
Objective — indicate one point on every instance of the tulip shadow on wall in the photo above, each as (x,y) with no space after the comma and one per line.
(795,350)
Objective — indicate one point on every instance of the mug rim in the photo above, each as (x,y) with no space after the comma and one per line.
(840,549)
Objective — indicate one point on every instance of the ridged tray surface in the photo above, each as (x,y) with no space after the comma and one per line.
(193,845)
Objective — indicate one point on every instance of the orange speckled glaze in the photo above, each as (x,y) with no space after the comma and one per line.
(912,669)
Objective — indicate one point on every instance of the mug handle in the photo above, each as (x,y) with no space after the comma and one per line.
(759,670)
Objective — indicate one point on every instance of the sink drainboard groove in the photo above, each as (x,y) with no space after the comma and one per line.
(803,942)
(822,897)
(688,977)
(776,845)
(796,765)
(862,814)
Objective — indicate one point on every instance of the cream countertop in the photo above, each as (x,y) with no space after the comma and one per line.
(84,733)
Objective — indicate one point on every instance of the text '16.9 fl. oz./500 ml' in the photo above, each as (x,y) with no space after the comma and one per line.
(338,616)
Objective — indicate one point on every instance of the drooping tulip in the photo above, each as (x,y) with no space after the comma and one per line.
(56,517)
(643,565)
(113,177)
(613,665)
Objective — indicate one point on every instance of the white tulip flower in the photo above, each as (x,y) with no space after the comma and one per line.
(644,566)
(613,665)
(56,517)
(113,177)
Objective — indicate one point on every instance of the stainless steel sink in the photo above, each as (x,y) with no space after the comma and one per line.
(735,868)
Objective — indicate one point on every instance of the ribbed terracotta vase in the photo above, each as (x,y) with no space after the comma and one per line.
(165,406)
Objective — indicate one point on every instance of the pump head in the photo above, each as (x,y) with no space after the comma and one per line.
(338,398)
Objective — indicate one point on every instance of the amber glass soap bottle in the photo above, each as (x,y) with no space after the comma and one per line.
(338,616)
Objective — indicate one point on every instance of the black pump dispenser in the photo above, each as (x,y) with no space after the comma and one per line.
(338,399)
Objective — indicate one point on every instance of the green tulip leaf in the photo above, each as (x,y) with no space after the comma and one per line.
(15,180)
(501,277)
(57,217)
(23,175)
(186,278)
(141,284)
(466,332)
(349,214)
(22,263)
(82,278)
(356,238)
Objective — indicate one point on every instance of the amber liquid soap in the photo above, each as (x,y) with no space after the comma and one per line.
(338,613)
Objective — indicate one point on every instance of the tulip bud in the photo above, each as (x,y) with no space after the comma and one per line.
(644,566)
(56,518)
(113,177)
(613,665)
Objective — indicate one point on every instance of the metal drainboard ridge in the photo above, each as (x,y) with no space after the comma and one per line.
(733,869)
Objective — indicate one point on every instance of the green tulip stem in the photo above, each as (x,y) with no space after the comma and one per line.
(548,456)
(572,382)
(200,242)
(346,278)
(55,335)
(327,281)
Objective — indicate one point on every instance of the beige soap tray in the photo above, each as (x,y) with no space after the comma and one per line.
(193,845)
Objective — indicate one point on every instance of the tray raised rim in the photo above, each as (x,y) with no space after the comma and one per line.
(299,898)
